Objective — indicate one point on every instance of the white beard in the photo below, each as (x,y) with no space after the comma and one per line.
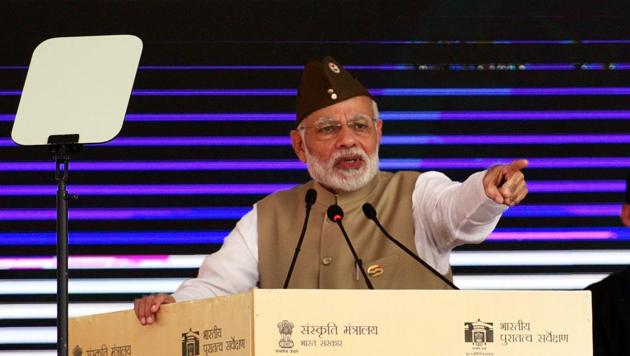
(343,180)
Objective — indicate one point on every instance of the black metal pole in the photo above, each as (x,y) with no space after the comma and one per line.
(61,175)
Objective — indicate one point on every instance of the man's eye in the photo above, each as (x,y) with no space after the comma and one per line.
(359,126)
(327,129)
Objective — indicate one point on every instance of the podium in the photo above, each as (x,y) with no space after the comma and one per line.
(349,322)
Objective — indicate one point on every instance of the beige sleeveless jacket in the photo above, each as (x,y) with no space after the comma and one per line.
(325,260)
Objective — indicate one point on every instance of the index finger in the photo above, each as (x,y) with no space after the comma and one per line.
(518,165)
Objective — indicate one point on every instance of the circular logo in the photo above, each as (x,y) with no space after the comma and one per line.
(334,68)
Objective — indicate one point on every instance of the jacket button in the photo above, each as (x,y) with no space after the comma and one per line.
(327,260)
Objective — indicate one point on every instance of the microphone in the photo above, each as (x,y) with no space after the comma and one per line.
(370,213)
(335,214)
(309,199)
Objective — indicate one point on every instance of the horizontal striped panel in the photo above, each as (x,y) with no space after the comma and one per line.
(586,186)
(90,286)
(49,310)
(531,115)
(388,67)
(386,163)
(591,233)
(544,139)
(153,189)
(28,335)
(540,258)
(458,259)
(412,92)
(222,213)
(217,236)
(103,262)
(558,281)
(114,237)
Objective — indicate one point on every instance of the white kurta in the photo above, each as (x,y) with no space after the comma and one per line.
(446,214)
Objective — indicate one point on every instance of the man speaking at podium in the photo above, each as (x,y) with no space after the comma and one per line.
(337,134)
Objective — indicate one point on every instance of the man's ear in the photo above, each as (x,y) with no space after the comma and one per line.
(379,130)
(298,145)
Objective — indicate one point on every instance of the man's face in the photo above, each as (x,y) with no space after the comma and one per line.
(340,144)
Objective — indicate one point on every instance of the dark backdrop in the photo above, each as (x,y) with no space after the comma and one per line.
(460,86)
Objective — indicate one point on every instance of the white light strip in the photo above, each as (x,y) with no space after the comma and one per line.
(28,335)
(95,286)
(527,281)
(458,258)
(540,258)
(49,310)
(28,352)
(105,262)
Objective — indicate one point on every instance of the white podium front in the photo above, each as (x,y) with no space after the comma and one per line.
(350,322)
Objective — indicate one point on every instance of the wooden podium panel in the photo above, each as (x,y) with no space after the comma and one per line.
(350,322)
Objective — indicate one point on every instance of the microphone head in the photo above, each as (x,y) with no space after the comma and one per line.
(369,211)
(335,213)
(311,197)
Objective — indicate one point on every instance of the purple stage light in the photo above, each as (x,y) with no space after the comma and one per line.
(563,210)
(115,238)
(217,236)
(386,140)
(149,189)
(552,236)
(543,115)
(569,91)
(386,163)
(547,66)
(255,189)
(509,42)
(213,92)
(611,186)
(388,67)
(222,67)
(605,41)
(221,213)
(228,213)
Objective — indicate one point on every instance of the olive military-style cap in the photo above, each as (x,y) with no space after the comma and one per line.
(325,83)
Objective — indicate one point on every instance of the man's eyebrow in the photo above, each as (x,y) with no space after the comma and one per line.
(323,119)
(360,116)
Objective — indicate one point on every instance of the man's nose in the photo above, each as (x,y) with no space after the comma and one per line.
(346,137)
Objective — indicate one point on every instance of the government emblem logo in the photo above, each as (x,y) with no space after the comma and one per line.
(190,343)
(286,329)
(478,332)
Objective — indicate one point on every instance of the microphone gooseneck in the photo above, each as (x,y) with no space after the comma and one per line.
(309,199)
(370,213)
(335,214)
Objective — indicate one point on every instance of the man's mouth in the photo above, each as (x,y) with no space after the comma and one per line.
(349,162)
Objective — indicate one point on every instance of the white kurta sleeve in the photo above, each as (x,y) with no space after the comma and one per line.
(232,269)
(448,214)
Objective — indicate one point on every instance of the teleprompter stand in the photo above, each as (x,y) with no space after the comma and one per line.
(76,92)
(62,147)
